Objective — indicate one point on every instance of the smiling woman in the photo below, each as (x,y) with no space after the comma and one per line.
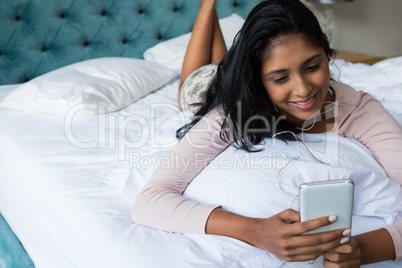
(274,82)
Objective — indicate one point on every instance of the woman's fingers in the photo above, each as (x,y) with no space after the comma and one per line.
(298,258)
(342,260)
(343,252)
(286,237)
(347,255)
(292,245)
(327,240)
(290,216)
(347,264)
(297,228)
(307,226)
(313,246)
(336,237)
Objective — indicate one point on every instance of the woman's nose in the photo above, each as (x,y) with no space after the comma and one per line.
(301,87)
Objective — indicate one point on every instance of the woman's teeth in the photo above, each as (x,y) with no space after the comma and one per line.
(305,103)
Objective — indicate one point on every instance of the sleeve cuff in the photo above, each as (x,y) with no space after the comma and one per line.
(395,231)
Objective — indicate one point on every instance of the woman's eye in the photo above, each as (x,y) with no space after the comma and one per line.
(280,80)
(312,68)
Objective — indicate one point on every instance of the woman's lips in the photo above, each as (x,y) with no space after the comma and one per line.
(307,104)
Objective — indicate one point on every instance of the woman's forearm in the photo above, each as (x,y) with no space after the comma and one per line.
(222,222)
(376,246)
(281,234)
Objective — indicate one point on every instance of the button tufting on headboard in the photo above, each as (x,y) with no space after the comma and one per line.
(31,29)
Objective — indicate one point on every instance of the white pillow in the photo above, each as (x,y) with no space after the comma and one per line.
(264,183)
(171,52)
(83,86)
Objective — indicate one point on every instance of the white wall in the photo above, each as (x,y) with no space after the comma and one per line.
(367,26)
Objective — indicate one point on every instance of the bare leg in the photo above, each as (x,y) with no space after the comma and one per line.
(206,43)
(218,43)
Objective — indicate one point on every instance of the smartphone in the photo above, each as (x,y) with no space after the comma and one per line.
(326,198)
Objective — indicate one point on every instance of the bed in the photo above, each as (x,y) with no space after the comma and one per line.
(77,142)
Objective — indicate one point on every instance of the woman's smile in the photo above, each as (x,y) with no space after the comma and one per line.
(306,105)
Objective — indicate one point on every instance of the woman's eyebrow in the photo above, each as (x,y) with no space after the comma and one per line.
(304,63)
(311,59)
(276,71)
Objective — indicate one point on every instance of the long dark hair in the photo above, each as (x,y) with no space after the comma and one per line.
(237,86)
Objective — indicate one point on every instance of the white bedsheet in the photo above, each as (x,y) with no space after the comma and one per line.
(383,80)
(58,197)
(65,187)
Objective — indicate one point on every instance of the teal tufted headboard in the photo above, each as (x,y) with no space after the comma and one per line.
(37,36)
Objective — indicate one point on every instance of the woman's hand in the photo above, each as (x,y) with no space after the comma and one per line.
(282,236)
(346,255)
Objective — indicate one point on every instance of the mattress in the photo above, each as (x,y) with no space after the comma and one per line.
(64,186)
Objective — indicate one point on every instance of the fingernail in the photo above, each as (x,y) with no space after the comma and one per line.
(347,232)
(344,240)
(332,218)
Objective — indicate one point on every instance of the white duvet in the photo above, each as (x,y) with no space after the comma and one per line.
(67,186)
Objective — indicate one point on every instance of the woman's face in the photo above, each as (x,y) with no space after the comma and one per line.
(296,77)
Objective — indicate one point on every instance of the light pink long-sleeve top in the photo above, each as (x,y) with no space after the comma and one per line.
(161,203)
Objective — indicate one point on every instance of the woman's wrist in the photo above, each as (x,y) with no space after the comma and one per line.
(376,246)
(222,222)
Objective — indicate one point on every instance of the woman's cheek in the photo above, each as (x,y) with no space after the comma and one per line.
(277,93)
(324,76)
